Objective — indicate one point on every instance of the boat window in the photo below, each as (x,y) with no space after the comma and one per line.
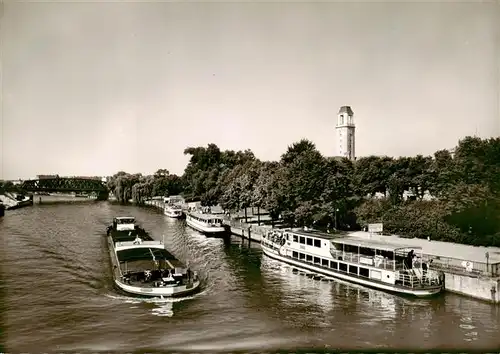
(295,254)
(334,265)
(302,256)
(317,260)
(353,269)
(287,237)
(351,249)
(337,246)
(324,262)
(302,239)
(343,267)
(317,243)
(367,251)
(364,272)
(309,258)
(309,241)
(295,238)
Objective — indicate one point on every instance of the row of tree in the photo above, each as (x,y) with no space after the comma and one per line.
(453,197)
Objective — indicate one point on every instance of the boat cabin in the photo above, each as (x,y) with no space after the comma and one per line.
(375,253)
(317,247)
(208,219)
(124,223)
(174,199)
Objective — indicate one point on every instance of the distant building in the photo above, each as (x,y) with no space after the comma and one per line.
(47,176)
(345,129)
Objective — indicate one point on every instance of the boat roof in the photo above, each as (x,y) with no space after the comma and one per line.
(124,217)
(374,244)
(144,253)
(312,233)
(205,216)
(440,248)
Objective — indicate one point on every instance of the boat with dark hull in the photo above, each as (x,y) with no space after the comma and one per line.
(143,266)
(388,267)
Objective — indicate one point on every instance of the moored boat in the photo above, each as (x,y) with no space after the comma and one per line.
(143,266)
(207,224)
(375,264)
(173,211)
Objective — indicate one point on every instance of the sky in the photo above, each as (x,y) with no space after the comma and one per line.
(94,88)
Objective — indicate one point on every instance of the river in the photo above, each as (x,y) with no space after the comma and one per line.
(59,296)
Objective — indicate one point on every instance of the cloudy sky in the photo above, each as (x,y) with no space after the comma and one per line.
(94,88)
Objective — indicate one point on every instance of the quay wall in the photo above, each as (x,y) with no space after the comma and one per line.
(483,288)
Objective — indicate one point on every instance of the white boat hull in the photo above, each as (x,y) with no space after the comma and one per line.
(369,283)
(173,213)
(159,292)
(208,230)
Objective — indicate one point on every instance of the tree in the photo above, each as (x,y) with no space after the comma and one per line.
(372,174)
(303,176)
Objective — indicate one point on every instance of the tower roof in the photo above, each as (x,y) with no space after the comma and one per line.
(346,109)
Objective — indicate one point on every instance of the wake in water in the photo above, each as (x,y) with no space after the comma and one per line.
(162,306)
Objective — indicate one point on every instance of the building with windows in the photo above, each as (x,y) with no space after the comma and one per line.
(345,129)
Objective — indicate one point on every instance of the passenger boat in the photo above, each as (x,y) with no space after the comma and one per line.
(173,211)
(142,266)
(375,264)
(207,224)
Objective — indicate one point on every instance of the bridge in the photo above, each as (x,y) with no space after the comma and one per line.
(65,185)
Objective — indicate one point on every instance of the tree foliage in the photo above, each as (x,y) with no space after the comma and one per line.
(452,197)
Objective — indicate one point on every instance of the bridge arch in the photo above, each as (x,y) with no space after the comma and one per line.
(65,184)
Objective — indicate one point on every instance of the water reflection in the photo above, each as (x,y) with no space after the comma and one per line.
(298,287)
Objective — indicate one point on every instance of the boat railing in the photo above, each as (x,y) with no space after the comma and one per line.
(416,278)
(373,261)
(462,266)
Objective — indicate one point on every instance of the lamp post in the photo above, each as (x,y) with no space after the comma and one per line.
(336,210)
(487,255)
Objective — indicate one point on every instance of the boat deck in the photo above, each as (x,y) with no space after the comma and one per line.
(126,235)
(144,253)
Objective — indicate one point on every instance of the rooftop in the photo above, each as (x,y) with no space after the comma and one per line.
(438,248)
(312,233)
(346,109)
(205,216)
(373,244)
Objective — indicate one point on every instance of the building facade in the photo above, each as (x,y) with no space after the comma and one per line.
(345,129)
